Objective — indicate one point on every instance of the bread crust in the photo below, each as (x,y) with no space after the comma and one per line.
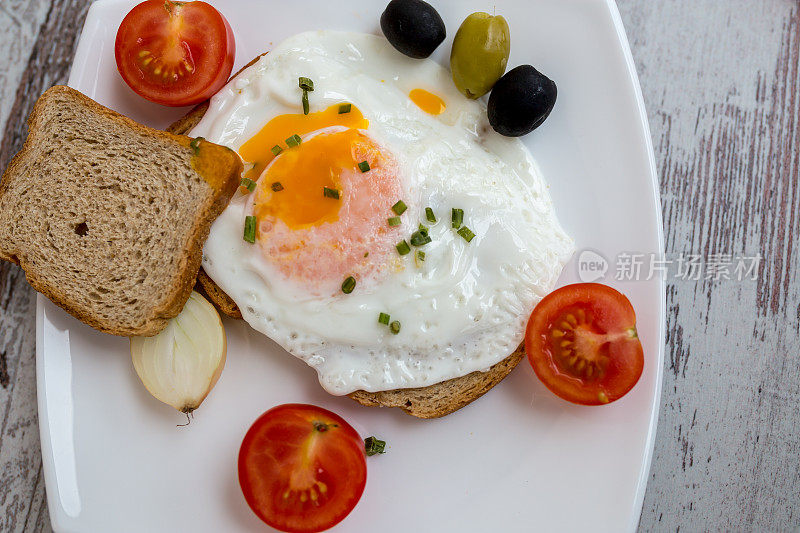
(217,296)
(440,399)
(433,401)
(205,284)
(223,162)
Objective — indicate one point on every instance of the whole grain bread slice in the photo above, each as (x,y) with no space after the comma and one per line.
(108,217)
(433,401)
(223,302)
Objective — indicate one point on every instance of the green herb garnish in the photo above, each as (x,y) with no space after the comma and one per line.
(420,238)
(276,150)
(399,208)
(250,229)
(457,218)
(348,285)
(466,233)
(306,84)
(403,248)
(393,221)
(374,446)
(419,257)
(248,184)
(383,318)
(394,327)
(277,187)
(363,166)
(330,193)
(294,140)
(429,215)
(345,108)
(195,144)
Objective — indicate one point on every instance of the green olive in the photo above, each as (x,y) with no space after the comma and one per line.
(480,53)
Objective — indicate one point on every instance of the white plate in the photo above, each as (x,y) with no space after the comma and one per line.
(519,459)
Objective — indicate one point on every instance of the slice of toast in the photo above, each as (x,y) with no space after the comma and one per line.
(443,398)
(108,217)
(433,401)
(223,302)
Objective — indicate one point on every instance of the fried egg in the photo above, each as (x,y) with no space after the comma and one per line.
(351,216)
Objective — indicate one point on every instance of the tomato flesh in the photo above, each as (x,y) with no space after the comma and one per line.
(175,53)
(582,343)
(302,468)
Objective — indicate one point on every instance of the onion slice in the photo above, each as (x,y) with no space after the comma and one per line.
(181,365)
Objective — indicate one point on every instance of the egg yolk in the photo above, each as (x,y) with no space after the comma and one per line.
(305,172)
(427,101)
(258,149)
(319,239)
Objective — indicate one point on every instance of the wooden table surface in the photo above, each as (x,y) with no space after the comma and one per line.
(721,81)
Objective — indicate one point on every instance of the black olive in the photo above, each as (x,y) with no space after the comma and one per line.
(413,27)
(520,101)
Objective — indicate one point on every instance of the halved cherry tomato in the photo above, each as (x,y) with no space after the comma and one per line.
(175,53)
(302,468)
(582,343)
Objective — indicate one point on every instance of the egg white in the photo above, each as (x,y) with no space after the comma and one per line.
(465,308)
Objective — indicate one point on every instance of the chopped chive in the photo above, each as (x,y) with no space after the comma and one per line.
(294,140)
(403,248)
(348,285)
(250,229)
(394,327)
(429,215)
(248,184)
(363,166)
(344,108)
(366,254)
(195,144)
(276,150)
(399,208)
(419,257)
(277,187)
(457,218)
(330,193)
(306,84)
(374,446)
(305,102)
(419,238)
(423,229)
(393,221)
(466,233)
(383,318)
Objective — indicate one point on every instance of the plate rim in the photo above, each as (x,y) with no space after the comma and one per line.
(662,311)
(58,516)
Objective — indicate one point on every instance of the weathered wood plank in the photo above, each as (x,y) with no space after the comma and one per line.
(38,520)
(720,80)
(20,457)
(20,22)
